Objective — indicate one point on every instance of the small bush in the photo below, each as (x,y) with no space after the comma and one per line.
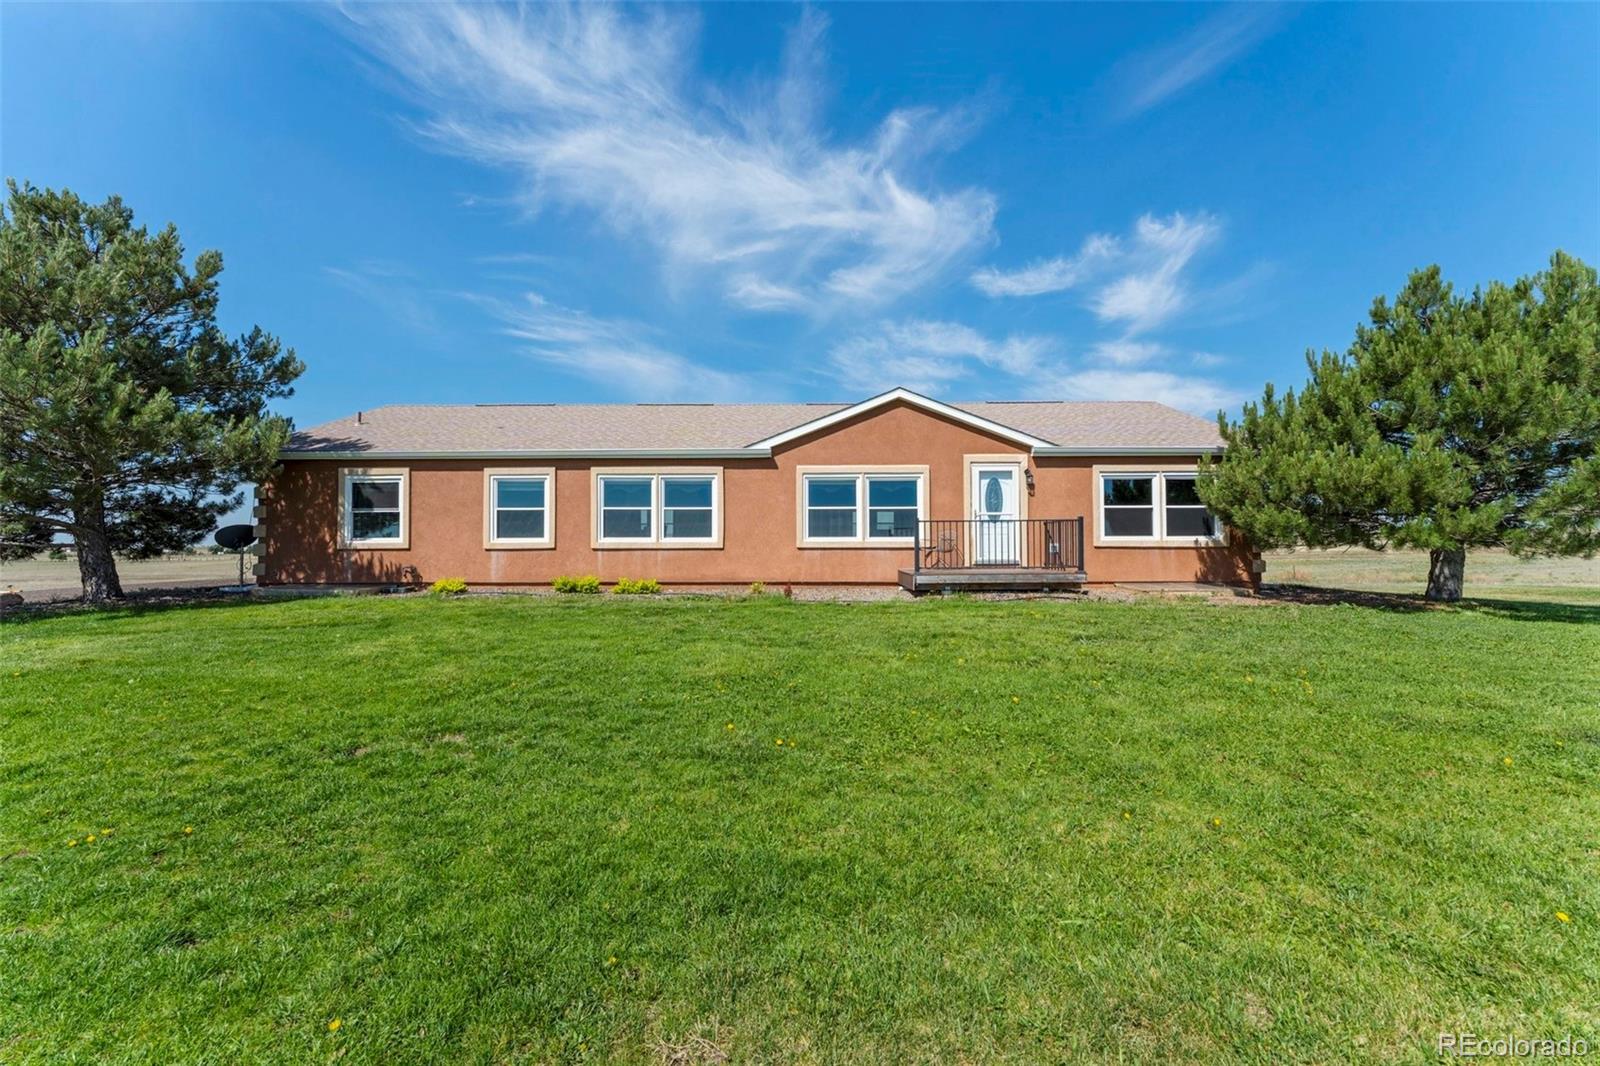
(644,586)
(448,586)
(758,588)
(587,584)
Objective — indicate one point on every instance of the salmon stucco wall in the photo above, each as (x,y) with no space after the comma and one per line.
(760,520)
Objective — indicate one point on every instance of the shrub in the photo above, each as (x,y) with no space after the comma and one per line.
(588,583)
(644,586)
(448,586)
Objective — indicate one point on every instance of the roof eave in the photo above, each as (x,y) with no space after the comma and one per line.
(539,453)
(1140,449)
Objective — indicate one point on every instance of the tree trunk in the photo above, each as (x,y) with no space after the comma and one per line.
(97,567)
(1446,572)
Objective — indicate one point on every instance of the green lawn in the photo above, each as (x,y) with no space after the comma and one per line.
(526,829)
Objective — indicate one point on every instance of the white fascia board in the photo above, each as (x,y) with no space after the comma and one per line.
(546,453)
(916,399)
(1055,450)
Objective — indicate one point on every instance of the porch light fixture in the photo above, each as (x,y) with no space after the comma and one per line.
(1027,475)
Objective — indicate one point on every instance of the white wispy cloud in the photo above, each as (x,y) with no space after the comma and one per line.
(612,352)
(928,356)
(393,289)
(1126,352)
(597,108)
(1197,395)
(1050,275)
(1136,281)
(1151,77)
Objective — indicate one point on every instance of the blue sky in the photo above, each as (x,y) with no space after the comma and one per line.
(468,203)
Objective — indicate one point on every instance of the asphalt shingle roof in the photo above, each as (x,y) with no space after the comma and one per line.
(469,429)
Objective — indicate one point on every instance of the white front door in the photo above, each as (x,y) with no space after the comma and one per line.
(997,533)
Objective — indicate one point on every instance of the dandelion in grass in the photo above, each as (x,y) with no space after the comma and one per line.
(89,839)
(1507,760)
(1016,699)
(780,742)
(1563,916)
(72,843)
(612,961)
(1216,823)
(333,1026)
(188,830)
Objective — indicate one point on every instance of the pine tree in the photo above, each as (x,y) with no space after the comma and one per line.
(1452,423)
(127,419)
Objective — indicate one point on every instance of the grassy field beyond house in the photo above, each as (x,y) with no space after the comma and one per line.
(1491,573)
(517,829)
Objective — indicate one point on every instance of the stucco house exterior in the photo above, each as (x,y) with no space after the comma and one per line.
(898,488)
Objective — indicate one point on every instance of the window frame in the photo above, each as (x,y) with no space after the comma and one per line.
(863,476)
(348,477)
(494,474)
(1159,537)
(658,476)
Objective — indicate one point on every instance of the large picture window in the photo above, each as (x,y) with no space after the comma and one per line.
(850,507)
(668,509)
(1156,506)
(374,505)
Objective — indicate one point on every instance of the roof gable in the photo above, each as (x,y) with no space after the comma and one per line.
(914,399)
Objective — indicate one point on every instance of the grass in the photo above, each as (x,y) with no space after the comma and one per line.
(523,829)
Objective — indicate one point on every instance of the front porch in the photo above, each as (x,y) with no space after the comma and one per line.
(996,555)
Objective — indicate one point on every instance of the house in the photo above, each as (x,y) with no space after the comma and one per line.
(899,488)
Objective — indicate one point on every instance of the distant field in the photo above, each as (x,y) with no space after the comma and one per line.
(43,578)
(1490,574)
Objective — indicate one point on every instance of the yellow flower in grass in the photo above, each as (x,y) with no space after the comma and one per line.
(89,839)
(1216,823)
(780,742)
(1016,699)
(333,1026)
(1507,760)
(612,961)
(72,843)
(1127,814)
(188,830)
(1563,916)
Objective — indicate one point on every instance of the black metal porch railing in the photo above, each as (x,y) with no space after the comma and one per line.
(998,543)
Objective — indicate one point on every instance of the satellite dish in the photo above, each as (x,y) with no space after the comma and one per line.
(236,538)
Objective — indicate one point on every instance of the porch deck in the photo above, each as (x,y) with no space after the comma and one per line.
(993,579)
(996,554)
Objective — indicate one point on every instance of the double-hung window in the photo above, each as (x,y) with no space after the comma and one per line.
(374,505)
(1154,507)
(521,508)
(676,509)
(857,507)
(1184,514)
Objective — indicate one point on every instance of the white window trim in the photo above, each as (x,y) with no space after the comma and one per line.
(862,475)
(657,476)
(1158,494)
(493,474)
(348,475)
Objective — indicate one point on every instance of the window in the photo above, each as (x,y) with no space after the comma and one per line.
(374,508)
(1156,506)
(1186,516)
(1129,506)
(627,508)
(892,506)
(856,508)
(831,508)
(519,508)
(687,508)
(678,509)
